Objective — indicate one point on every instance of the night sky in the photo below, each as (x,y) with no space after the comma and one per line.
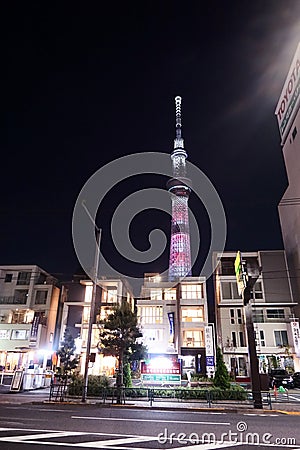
(84,85)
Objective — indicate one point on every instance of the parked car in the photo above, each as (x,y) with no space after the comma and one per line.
(296,379)
(280,377)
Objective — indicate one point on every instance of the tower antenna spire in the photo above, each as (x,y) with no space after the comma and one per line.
(178,141)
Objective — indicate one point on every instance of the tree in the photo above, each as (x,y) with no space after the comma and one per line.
(68,358)
(221,378)
(118,337)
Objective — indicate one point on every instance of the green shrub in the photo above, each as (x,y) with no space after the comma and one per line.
(96,384)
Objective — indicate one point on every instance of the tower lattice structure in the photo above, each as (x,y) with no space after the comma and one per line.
(180,249)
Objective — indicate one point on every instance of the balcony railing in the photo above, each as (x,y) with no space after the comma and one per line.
(11,300)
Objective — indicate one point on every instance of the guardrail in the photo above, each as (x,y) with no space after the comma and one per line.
(208,397)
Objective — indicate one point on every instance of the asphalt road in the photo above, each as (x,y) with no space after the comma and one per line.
(25,426)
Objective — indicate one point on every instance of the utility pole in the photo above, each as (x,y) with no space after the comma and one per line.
(246,280)
(92,311)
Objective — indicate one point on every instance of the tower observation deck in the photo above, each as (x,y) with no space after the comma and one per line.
(180,251)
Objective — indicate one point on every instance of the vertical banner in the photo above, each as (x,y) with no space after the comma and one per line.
(296,337)
(35,327)
(171,318)
(209,350)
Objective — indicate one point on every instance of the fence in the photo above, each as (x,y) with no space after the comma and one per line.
(205,397)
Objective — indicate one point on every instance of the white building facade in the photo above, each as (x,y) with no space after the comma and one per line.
(28,309)
(272,308)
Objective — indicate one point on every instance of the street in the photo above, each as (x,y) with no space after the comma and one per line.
(91,426)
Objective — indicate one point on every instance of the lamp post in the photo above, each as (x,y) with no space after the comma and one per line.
(92,309)
(246,280)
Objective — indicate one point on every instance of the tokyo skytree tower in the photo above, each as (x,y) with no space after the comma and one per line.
(180,251)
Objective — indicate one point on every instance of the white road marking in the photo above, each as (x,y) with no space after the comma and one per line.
(149,420)
(111,442)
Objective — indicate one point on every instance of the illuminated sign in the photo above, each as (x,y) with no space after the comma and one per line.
(296,337)
(161,370)
(290,96)
(238,268)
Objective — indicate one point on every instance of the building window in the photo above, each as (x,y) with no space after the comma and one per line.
(192,314)
(109,294)
(19,334)
(233,339)
(170,294)
(239,316)
(8,278)
(262,338)
(191,291)
(150,314)
(275,313)
(227,267)
(41,297)
(258,316)
(20,296)
(229,290)
(156,294)
(232,316)
(257,292)
(24,278)
(281,339)
(193,338)
(242,338)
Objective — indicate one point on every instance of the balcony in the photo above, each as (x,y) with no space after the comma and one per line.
(11,300)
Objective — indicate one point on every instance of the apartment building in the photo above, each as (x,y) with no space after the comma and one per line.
(76,314)
(28,308)
(173,317)
(273,313)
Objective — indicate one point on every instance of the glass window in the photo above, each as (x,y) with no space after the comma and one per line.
(242,338)
(41,297)
(150,314)
(262,338)
(20,297)
(258,315)
(24,278)
(239,316)
(156,294)
(281,338)
(229,290)
(19,334)
(193,338)
(8,278)
(192,291)
(233,338)
(257,292)
(170,294)
(232,316)
(192,314)
(275,313)
(227,267)
(109,294)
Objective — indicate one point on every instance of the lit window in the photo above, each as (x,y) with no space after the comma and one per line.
(193,338)
(192,314)
(109,294)
(170,294)
(150,314)
(192,291)
(156,294)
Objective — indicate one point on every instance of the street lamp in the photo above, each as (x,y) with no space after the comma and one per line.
(92,308)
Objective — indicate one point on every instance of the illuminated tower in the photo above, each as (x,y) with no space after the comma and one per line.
(180,251)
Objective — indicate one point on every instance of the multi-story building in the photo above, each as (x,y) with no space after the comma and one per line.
(288,116)
(28,309)
(173,318)
(76,315)
(272,308)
